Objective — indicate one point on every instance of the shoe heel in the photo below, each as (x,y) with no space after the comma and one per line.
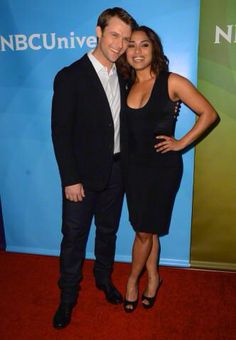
(151,300)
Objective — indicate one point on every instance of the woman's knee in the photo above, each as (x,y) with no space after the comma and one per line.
(144,237)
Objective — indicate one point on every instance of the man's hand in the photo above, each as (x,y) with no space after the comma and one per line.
(75,192)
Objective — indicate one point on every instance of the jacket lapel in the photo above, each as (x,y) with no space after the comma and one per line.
(95,82)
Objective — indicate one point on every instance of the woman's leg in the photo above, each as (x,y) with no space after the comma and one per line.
(152,269)
(141,250)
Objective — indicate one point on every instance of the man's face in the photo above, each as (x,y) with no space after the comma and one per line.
(113,41)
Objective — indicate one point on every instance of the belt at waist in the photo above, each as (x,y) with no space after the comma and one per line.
(116,157)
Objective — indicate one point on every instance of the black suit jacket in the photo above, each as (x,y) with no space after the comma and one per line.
(82,126)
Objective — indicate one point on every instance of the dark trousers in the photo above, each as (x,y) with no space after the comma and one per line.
(105,206)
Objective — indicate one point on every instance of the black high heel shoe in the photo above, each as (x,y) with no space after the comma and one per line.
(130,306)
(150,300)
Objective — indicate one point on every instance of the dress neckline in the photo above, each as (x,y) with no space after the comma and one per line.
(149,98)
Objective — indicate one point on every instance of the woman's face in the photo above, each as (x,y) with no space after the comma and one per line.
(139,51)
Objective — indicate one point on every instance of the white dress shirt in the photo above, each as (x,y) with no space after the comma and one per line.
(111,87)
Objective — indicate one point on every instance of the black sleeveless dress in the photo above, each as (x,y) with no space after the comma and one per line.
(152,179)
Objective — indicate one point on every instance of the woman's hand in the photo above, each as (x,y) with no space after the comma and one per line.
(168,144)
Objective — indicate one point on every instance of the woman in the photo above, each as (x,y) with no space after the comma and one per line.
(154,161)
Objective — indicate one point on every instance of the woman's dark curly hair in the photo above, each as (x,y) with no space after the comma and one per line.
(159,61)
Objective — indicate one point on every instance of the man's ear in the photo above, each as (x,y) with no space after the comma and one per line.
(98,32)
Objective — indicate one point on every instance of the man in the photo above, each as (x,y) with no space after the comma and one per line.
(86,133)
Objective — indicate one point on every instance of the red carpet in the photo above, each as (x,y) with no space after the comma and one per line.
(191,304)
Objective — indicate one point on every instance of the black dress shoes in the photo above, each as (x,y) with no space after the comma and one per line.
(62,316)
(111,293)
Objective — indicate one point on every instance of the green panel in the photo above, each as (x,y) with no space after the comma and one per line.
(214,209)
